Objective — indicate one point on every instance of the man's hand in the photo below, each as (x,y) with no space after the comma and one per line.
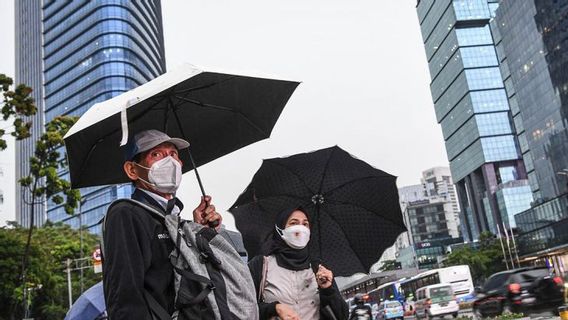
(205,213)
(285,312)
(324,277)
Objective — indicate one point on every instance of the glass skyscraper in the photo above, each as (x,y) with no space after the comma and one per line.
(93,51)
(472,107)
(533,49)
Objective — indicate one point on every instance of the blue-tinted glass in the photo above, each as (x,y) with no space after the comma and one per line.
(474,36)
(490,124)
(499,148)
(471,9)
(482,56)
(489,100)
(485,78)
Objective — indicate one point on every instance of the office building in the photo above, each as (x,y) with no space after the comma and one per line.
(89,52)
(29,71)
(534,56)
(472,107)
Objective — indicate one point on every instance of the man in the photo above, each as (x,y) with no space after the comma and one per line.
(361,310)
(137,272)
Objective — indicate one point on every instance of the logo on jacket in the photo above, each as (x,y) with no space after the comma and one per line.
(163,236)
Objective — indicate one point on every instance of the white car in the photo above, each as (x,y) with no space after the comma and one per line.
(435,301)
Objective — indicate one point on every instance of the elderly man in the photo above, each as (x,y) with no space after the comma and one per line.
(137,273)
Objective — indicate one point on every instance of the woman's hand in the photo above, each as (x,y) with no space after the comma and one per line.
(285,312)
(324,277)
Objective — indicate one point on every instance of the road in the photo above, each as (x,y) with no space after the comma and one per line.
(469,313)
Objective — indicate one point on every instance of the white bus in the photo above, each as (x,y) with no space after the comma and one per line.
(458,276)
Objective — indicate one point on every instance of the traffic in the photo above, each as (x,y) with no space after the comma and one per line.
(449,292)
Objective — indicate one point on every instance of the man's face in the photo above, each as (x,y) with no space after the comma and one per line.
(158,153)
(147,159)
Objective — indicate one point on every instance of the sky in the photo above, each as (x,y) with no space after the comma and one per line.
(365,81)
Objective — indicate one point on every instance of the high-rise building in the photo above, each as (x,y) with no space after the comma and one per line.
(534,55)
(87,52)
(431,214)
(471,105)
(29,71)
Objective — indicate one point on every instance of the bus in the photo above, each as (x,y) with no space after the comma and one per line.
(459,277)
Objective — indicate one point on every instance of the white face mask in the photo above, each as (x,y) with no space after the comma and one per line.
(296,237)
(164,175)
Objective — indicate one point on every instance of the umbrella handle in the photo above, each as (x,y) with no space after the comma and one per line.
(212,224)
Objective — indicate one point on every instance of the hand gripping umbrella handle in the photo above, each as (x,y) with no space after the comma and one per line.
(212,224)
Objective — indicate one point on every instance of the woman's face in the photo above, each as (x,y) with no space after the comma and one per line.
(297,218)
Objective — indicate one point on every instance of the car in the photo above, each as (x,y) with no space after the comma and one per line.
(436,300)
(390,309)
(521,290)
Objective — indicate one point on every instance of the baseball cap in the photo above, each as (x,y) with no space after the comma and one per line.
(148,139)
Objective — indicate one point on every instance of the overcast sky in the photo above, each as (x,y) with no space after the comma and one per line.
(365,82)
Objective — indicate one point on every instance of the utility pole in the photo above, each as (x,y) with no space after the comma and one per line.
(69,289)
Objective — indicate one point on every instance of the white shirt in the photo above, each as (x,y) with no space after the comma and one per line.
(163,202)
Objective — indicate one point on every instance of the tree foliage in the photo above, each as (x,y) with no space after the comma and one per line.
(44,183)
(46,280)
(17,105)
(389,265)
(482,261)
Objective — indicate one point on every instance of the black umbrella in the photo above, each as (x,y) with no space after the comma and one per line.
(353,208)
(216,112)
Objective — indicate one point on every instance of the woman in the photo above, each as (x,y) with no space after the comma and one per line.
(290,286)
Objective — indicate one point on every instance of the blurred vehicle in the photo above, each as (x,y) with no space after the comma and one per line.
(459,277)
(390,310)
(523,290)
(435,301)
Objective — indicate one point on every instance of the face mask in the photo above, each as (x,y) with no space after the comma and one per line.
(296,237)
(164,175)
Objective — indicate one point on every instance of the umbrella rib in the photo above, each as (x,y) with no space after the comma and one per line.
(294,173)
(350,182)
(223,108)
(205,86)
(363,208)
(344,235)
(325,169)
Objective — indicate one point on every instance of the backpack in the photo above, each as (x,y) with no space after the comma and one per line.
(211,279)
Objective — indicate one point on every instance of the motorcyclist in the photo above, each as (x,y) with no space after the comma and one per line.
(361,310)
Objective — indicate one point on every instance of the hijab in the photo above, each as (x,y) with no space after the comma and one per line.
(286,256)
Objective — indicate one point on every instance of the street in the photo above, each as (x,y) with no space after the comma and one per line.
(469,313)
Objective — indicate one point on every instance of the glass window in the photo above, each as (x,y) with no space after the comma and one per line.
(485,78)
(474,36)
(471,9)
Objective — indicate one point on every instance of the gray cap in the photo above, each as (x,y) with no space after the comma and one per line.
(148,139)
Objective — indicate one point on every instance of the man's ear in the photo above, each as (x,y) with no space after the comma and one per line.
(130,170)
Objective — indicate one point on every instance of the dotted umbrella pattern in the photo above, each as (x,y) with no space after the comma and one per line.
(353,207)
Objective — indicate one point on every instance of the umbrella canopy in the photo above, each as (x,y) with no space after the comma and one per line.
(89,306)
(353,208)
(216,112)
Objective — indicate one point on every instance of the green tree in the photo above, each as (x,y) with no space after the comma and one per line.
(389,265)
(16,106)
(47,281)
(44,182)
(483,261)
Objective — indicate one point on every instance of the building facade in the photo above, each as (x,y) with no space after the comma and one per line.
(472,107)
(431,214)
(28,70)
(534,57)
(91,52)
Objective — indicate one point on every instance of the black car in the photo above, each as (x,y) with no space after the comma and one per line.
(522,290)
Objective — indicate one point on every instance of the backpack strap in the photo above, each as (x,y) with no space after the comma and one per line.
(155,308)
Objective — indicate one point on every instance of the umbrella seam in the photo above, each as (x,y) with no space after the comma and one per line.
(369,210)
(223,108)
(291,171)
(326,167)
